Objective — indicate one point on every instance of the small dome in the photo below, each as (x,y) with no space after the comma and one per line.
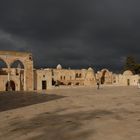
(59,67)
(83,69)
(127,72)
(90,69)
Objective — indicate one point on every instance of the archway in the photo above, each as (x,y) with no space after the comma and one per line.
(25,59)
(3,64)
(3,67)
(18,66)
(10,86)
(103,77)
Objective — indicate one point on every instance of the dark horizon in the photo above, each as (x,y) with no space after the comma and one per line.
(77,33)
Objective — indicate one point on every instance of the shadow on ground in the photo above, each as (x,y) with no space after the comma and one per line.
(57,126)
(13,100)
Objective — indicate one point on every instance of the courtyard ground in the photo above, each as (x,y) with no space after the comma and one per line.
(111,113)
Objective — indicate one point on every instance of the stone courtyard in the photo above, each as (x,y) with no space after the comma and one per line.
(111,113)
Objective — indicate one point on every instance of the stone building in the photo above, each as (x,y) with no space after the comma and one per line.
(127,79)
(19,74)
(16,78)
(105,76)
(72,77)
(42,79)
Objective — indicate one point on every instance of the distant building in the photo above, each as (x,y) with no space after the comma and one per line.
(25,77)
(127,79)
(71,77)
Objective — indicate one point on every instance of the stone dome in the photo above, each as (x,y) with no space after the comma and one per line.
(90,69)
(59,67)
(127,72)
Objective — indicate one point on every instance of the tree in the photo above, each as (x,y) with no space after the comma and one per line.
(130,64)
(137,69)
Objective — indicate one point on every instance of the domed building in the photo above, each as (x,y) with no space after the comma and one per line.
(128,72)
(90,79)
(90,69)
(59,67)
(127,78)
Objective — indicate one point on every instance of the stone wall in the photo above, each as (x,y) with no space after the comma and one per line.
(10,57)
(40,76)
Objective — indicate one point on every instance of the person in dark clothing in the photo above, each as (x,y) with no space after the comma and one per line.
(98,84)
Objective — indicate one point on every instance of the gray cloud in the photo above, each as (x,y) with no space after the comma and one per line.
(76,33)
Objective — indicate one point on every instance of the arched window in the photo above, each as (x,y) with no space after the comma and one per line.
(76,76)
(80,75)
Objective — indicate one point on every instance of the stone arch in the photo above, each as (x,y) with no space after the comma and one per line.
(17,61)
(19,67)
(76,75)
(26,59)
(10,86)
(5,62)
(105,76)
(3,67)
(104,70)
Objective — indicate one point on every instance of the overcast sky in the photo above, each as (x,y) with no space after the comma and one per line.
(74,33)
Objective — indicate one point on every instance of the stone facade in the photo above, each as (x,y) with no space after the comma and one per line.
(11,57)
(27,78)
(71,77)
(42,79)
(127,79)
(105,76)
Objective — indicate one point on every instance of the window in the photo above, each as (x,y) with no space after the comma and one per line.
(30,57)
(52,72)
(76,76)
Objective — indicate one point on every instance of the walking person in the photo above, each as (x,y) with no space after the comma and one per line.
(98,84)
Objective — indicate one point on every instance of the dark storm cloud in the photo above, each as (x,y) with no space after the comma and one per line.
(75,33)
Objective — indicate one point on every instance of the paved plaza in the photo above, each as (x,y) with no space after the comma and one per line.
(111,113)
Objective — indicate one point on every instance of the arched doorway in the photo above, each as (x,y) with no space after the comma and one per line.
(128,82)
(103,77)
(10,86)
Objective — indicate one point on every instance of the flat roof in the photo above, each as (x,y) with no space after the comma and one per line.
(15,53)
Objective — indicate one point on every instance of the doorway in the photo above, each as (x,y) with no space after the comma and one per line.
(103,77)
(128,82)
(44,85)
(10,86)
